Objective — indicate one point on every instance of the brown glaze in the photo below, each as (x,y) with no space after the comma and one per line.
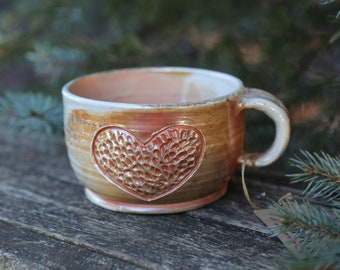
(221,123)
(149,169)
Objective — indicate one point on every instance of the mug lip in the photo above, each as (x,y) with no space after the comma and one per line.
(212,73)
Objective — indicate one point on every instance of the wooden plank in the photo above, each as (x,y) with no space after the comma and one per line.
(46,158)
(232,209)
(184,241)
(40,195)
(24,249)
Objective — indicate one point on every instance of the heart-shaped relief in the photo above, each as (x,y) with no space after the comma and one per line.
(148,169)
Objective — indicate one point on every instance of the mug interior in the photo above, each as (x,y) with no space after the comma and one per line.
(170,85)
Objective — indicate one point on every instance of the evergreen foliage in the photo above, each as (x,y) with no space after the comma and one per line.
(286,47)
(327,258)
(56,62)
(321,173)
(31,112)
(315,227)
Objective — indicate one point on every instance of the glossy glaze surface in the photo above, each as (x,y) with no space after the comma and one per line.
(128,123)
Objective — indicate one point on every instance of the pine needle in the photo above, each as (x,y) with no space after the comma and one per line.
(316,229)
(327,259)
(29,112)
(56,62)
(321,172)
(308,223)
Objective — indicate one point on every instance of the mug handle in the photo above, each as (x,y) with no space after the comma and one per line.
(260,100)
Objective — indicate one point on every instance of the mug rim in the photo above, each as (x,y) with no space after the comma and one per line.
(164,69)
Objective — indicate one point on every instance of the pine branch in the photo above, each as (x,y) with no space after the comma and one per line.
(327,259)
(28,112)
(322,173)
(309,224)
(315,229)
(56,62)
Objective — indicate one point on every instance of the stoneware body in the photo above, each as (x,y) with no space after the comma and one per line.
(162,140)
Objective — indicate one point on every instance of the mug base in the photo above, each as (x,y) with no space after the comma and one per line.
(152,208)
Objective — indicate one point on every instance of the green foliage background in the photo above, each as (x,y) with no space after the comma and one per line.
(289,48)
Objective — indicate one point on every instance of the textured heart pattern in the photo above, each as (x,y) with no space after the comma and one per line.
(151,169)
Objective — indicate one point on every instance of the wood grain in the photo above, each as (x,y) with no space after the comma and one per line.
(47,223)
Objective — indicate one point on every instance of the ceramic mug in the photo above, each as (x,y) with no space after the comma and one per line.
(162,139)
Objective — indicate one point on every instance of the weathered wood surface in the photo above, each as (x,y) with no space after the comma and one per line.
(47,223)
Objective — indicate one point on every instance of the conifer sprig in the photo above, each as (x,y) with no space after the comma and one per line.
(31,112)
(56,62)
(321,172)
(327,259)
(308,223)
(315,229)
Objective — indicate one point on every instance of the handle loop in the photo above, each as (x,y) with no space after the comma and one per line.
(274,108)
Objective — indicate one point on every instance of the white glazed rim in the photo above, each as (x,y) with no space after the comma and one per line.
(219,75)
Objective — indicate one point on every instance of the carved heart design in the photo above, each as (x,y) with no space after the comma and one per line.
(151,169)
